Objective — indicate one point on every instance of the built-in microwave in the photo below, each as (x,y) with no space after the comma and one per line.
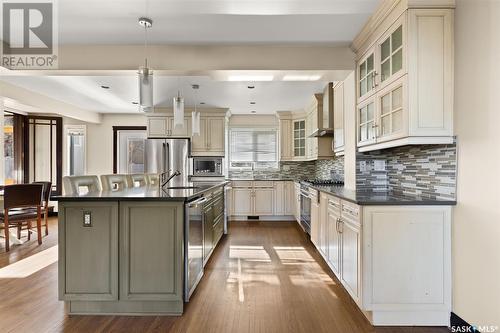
(207,166)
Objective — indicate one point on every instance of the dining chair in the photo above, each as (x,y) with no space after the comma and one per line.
(138,179)
(74,184)
(22,204)
(153,179)
(115,182)
(47,190)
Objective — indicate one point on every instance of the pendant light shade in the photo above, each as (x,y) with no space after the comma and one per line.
(145,73)
(195,116)
(195,121)
(145,89)
(178,111)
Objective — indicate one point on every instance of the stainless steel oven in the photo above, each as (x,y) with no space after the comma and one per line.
(207,166)
(305,208)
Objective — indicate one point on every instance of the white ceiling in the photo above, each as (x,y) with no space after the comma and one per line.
(86,92)
(212,21)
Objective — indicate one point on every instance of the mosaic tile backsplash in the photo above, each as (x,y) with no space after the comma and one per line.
(429,171)
(294,170)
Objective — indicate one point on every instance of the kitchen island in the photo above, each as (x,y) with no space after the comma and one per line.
(126,251)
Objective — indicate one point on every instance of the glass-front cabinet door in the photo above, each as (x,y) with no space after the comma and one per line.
(299,138)
(366,122)
(366,75)
(392,53)
(392,111)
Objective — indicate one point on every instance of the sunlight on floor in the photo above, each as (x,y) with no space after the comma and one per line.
(293,255)
(249,253)
(25,267)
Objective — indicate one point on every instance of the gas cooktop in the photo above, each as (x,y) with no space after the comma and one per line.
(324,182)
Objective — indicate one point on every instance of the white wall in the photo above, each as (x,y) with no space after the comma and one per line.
(350,131)
(476,225)
(100,140)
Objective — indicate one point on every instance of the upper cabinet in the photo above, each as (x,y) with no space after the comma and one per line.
(338,118)
(210,142)
(405,79)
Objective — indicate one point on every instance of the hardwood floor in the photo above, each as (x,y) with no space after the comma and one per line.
(263,277)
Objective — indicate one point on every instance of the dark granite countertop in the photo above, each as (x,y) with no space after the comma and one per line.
(375,198)
(145,193)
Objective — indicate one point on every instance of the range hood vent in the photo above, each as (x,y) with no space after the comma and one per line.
(325,114)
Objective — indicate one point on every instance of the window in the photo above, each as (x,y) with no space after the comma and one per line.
(75,150)
(13,148)
(299,138)
(253,148)
(44,150)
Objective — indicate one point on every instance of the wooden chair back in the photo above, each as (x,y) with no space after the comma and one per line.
(22,195)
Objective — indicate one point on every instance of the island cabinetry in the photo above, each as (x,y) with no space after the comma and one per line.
(152,244)
(88,252)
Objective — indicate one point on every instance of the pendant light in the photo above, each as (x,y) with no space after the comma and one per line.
(195,116)
(145,73)
(178,111)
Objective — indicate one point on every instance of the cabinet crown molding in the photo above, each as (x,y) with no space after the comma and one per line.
(386,8)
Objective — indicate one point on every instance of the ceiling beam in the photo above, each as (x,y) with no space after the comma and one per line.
(27,101)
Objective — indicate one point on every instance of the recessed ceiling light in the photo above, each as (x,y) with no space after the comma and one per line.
(135,103)
(105,87)
(253,103)
(253,111)
(202,103)
(251,87)
(250,78)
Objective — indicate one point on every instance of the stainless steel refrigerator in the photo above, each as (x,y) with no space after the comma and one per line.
(168,155)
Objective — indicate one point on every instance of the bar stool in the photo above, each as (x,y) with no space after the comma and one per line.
(138,179)
(153,179)
(74,184)
(115,182)
(22,204)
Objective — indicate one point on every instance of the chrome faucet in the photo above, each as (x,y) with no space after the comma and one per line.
(163,175)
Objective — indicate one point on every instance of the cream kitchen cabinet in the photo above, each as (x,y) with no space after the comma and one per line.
(405,79)
(284,201)
(377,251)
(334,251)
(211,140)
(338,118)
(163,127)
(315,222)
(286,140)
(266,199)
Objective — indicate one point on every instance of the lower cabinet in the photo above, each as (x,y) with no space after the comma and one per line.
(394,261)
(264,198)
(151,245)
(208,223)
(334,244)
(88,255)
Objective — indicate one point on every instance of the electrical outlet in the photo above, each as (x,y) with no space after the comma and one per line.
(379,165)
(362,166)
(286,168)
(87,219)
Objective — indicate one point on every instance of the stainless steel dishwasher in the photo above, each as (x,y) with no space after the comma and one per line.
(193,246)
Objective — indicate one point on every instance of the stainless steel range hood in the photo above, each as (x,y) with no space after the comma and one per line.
(325,114)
